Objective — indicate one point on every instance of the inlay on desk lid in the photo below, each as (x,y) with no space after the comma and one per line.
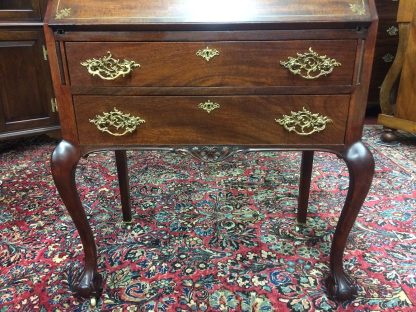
(212,78)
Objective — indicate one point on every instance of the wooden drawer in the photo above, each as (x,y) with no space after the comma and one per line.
(245,64)
(237,120)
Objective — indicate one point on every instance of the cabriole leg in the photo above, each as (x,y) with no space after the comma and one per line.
(64,162)
(360,164)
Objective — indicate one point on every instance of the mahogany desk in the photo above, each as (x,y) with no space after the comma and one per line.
(212,78)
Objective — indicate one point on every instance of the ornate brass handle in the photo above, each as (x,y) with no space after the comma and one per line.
(304,122)
(310,65)
(208,53)
(108,68)
(209,106)
(122,123)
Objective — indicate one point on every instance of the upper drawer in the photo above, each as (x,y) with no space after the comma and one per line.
(212,64)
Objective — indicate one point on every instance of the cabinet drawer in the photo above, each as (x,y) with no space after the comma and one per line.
(212,64)
(210,120)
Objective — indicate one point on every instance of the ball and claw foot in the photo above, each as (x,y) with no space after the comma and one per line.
(340,288)
(128,224)
(89,285)
(389,136)
(93,302)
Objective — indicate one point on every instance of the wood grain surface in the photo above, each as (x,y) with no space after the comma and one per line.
(214,11)
(239,120)
(175,64)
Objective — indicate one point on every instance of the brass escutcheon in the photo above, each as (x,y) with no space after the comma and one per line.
(209,106)
(208,53)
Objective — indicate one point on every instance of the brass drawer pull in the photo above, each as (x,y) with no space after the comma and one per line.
(209,106)
(310,65)
(108,68)
(208,53)
(304,122)
(122,123)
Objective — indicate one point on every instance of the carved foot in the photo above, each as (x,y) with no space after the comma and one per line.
(88,285)
(340,288)
(128,224)
(389,135)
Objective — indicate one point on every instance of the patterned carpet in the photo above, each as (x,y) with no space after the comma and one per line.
(219,237)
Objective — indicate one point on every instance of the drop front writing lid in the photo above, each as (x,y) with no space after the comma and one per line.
(147,12)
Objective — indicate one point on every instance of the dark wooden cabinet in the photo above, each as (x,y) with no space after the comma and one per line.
(386,46)
(27,104)
(21,10)
(399,113)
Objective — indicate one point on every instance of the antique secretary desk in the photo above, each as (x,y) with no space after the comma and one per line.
(212,78)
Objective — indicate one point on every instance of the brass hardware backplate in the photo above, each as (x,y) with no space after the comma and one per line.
(310,65)
(209,106)
(122,123)
(108,68)
(208,53)
(304,122)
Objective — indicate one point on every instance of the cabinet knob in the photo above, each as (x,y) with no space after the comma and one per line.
(117,123)
(304,122)
(108,68)
(310,65)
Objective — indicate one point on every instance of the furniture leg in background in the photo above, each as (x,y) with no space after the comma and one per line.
(123,179)
(304,185)
(402,115)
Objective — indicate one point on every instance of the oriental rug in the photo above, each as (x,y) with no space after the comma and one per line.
(207,237)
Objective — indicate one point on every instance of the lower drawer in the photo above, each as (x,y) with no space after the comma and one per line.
(193,120)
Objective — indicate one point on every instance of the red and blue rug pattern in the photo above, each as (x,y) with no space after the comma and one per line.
(207,237)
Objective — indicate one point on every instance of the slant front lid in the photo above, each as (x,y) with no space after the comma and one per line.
(111,12)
